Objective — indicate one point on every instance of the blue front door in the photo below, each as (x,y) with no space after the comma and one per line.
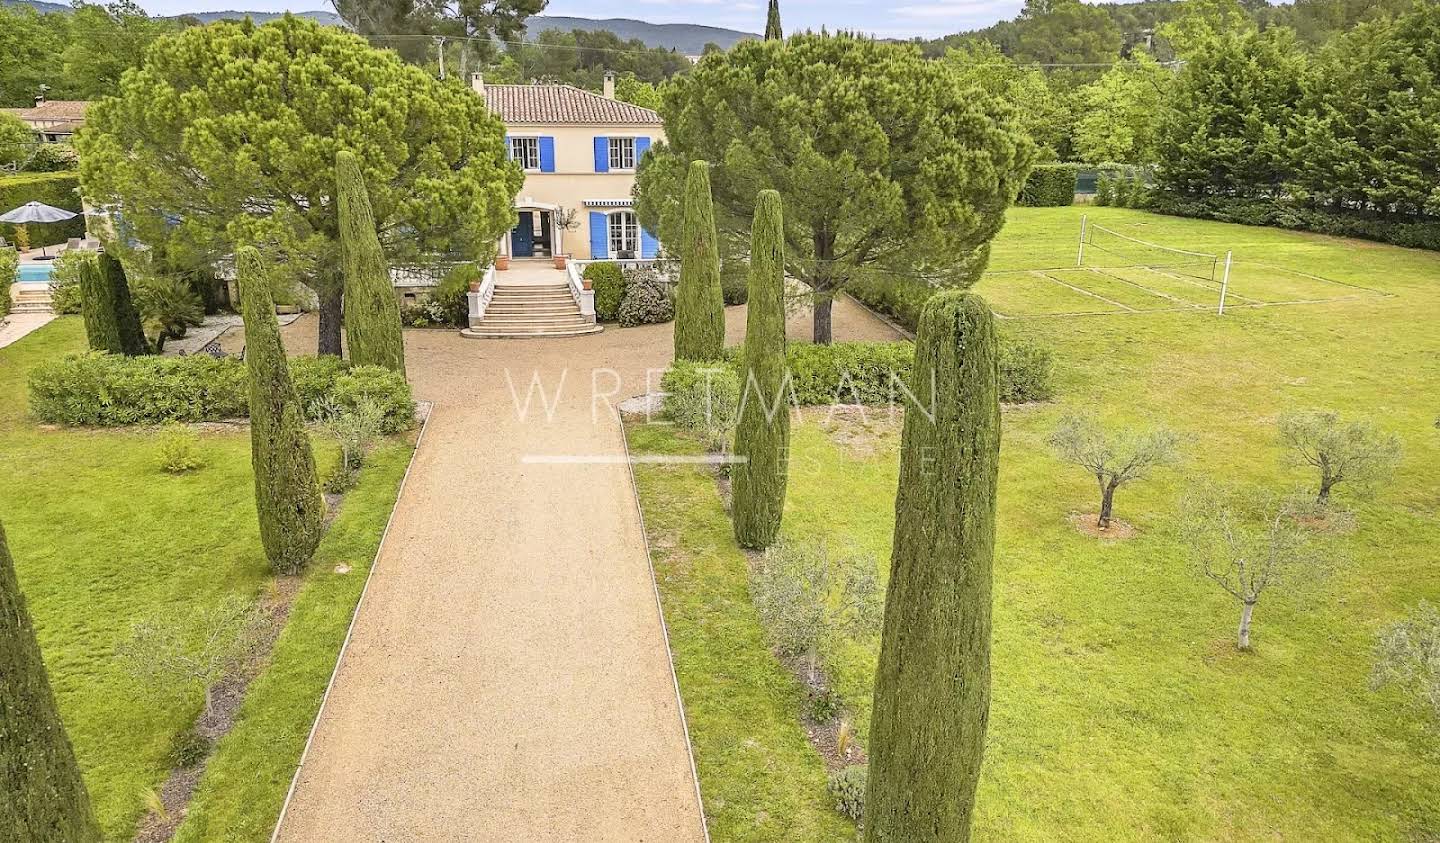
(522,239)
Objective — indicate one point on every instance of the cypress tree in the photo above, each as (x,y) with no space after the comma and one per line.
(127,318)
(42,796)
(287,489)
(699,300)
(932,687)
(772,23)
(372,313)
(97,308)
(762,435)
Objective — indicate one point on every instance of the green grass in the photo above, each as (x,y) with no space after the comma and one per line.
(244,784)
(759,777)
(1122,710)
(102,537)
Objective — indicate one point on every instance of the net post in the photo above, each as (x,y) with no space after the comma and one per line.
(1080,255)
(1224,284)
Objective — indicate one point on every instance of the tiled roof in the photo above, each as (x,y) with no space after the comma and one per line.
(562,104)
(66,110)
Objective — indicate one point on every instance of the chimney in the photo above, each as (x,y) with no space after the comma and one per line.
(609,84)
(477,82)
(39,100)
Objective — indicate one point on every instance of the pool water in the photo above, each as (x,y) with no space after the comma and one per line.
(35,272)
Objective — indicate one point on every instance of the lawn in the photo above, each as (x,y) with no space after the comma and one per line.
(1122,710)
(102,537)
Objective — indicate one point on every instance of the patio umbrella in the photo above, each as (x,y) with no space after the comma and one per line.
(36,212)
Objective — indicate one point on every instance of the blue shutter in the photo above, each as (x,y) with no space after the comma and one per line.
(547,155)
(599,235)
(602,155)
(649,246)
(509,150)
(641,144)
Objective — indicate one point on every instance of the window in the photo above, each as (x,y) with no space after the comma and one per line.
(526,151)
(622,153)
(624,235)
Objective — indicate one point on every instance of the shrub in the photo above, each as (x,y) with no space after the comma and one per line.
(188,749)
(1049,185)
(1398,229)
(848,788)
(734,282)
(648,299)
(825,705)
(932,683)
(809,599)
(53,158)
(699,302)
(1026,371)
(450,296)
(900,299)
(65,295)
(168,308)
(849,372)
(383,388)
(179,449)
(1105,189)
(9,269)
(608,282)
(703,397)
(58,189)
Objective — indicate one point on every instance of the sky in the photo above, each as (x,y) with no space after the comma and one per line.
(897,19)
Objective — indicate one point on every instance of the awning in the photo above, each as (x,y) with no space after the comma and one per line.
(607,203)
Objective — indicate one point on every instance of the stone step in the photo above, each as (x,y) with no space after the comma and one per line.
(31,307)
(482,332)
(524,300)
(538,294)
(532,323)
(538,309)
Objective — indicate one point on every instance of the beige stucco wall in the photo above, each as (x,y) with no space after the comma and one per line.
(575,179)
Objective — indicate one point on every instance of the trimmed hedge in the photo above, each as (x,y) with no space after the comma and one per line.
(1397,230)
(703,397)
(1049,186)
(872,373)
(106,390)
(608,282)
(9,270)
(58,189)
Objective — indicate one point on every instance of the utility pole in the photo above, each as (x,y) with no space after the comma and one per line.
(440,45)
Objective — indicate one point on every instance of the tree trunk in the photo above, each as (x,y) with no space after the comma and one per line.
(332,319)
(823,334)
(824,284)
(1246,609)
(1324,497)
(1107,504)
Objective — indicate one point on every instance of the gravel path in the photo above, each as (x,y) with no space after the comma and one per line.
(508,677)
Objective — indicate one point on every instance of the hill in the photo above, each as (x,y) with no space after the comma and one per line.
(687,38)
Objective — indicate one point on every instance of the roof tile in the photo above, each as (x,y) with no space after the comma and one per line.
(562,104)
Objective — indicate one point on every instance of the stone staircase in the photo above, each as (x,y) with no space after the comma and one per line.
(30,298)
(523,310)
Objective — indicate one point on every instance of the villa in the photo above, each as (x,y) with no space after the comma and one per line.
(579,151)
(52,121)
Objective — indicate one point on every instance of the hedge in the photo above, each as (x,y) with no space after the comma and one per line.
(872,373)
(1397,230)
(1049,186)
(608,282)
(106,390)
(58,189)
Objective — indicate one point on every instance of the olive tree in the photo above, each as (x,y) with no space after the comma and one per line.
(1407,655)
(227,134)
(1113,457)
(210,645)
(1250,544)
(887,164)
(1356,452)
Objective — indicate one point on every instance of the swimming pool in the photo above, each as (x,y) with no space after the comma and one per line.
(35,271)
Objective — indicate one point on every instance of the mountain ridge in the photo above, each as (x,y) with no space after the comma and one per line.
(687,38)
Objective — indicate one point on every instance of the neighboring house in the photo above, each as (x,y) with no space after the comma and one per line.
(579,151)
(52,121)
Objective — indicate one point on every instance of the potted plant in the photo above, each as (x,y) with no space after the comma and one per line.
(502,262)
(566,219)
